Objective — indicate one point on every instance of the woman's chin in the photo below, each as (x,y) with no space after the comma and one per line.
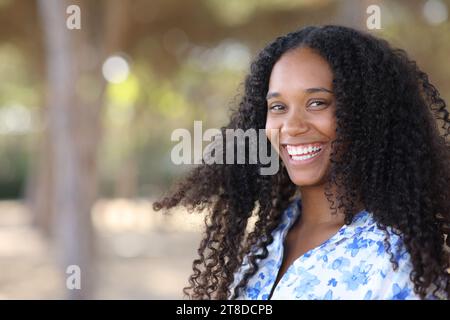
(304,179)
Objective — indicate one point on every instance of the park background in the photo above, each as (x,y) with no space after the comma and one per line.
(86,118)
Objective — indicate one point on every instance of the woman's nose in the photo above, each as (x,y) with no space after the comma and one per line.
(295,124)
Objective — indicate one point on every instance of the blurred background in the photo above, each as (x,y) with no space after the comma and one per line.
(86,117)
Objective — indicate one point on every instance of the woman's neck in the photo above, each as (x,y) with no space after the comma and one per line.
(316,208)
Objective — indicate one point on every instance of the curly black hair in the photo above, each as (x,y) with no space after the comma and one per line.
(391,154)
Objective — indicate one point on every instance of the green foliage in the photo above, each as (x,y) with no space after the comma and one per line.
(14,164)
(180,72)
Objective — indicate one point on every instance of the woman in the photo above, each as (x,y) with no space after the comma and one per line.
(360,208)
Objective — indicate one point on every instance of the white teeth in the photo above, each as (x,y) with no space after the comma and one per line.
(297,151)
(297,158)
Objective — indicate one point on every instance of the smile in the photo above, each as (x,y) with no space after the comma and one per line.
(304,152)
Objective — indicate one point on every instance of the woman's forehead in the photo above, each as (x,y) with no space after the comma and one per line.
(300,69)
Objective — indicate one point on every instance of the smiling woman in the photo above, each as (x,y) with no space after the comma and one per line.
(300,104)
(360,208)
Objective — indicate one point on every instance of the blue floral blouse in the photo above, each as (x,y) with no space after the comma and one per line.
(352,264)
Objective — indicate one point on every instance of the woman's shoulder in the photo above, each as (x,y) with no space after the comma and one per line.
(383,248)
(374,244)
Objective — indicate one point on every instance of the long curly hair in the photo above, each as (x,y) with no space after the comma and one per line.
(391,154)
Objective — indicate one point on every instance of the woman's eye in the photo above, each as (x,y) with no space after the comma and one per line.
(316,103)
(277,107)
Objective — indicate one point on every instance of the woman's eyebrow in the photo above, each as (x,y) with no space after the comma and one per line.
(271,95)
(319,89)
(309,90)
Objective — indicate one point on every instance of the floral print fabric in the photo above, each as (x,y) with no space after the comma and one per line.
(352,264)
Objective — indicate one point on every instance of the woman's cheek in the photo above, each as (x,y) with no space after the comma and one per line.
(271,126)
(273,135)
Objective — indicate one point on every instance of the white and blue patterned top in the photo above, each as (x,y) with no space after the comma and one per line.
(352,264)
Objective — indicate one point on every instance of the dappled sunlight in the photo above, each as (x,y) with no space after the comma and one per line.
(141,254)
(122,215)
(88,112)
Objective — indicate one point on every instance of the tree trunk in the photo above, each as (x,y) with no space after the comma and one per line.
(72,221)
(74,59)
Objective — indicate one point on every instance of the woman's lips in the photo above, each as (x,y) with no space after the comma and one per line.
(304,153)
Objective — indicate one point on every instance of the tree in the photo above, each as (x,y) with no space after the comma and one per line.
(74,123)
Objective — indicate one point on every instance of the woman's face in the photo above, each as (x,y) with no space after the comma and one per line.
(301,105)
